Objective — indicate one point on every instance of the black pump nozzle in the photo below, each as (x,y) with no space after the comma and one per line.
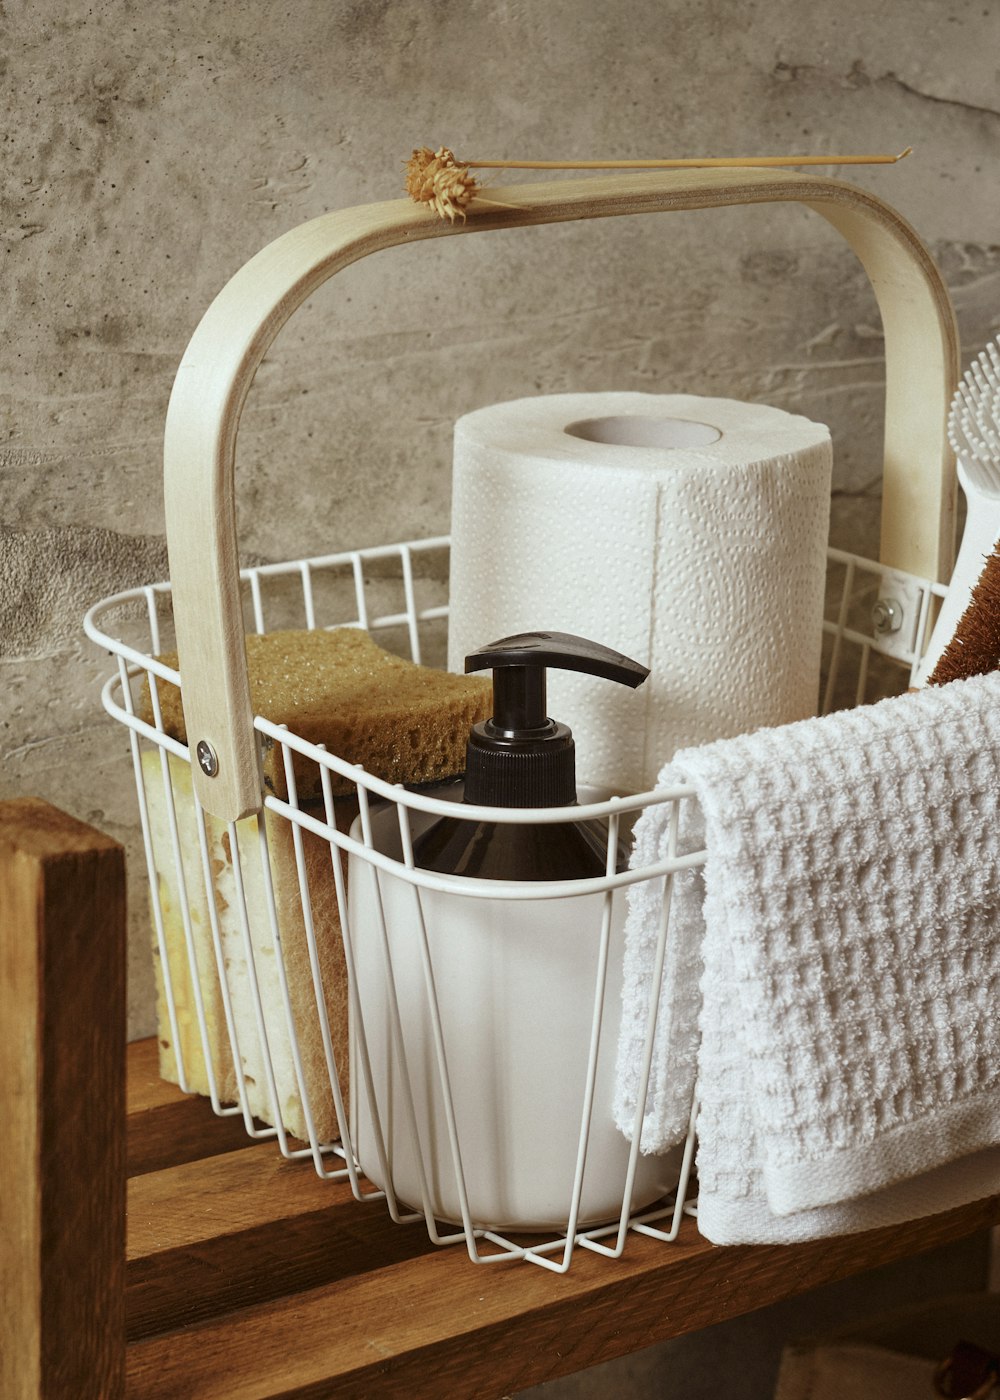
(520,757)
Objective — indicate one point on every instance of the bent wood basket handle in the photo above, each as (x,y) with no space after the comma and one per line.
(237,329)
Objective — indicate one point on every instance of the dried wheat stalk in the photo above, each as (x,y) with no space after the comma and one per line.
(440,179)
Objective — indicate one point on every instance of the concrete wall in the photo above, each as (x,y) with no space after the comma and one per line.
(150,149)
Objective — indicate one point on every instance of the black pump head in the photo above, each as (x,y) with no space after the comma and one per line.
(520,757)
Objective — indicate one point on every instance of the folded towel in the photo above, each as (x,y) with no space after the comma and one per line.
(833,970)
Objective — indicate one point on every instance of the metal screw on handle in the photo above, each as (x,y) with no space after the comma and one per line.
(887,616)
(208,760)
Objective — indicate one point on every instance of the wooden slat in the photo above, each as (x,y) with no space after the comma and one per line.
(250,1275)
(62,1068)
(440,1326)
(166,1127)
(245,1227)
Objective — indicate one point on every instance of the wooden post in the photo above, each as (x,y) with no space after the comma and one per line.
(62,1079)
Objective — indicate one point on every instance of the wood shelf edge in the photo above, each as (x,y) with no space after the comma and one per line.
(439,1325)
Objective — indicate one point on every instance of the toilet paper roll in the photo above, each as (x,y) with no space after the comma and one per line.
(689,533)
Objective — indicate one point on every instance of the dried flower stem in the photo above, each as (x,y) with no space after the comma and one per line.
(440,179)
(693,163)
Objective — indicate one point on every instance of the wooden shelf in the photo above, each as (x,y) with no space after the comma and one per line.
(246,1275)
(249,1276)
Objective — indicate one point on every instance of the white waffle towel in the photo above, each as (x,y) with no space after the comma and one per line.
(832,977)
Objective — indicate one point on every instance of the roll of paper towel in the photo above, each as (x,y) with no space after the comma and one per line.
(689,533)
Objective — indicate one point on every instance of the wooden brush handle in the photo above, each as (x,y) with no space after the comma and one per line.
(220,362)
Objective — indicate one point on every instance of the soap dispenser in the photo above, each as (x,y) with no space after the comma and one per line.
(479,988)
(522,758)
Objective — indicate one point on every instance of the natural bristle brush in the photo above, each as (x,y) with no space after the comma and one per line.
(966,638)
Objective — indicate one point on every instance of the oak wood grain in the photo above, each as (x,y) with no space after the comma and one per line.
(245,1227)
(440,1326)
(167,1127)
(62,1068)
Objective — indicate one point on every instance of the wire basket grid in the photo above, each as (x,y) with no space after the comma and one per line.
(239,1019)
(270,983)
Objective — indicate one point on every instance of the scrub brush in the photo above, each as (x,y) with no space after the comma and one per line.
(973,645)
(974,650)
(974,433)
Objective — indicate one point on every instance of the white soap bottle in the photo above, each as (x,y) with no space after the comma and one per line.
(514,980)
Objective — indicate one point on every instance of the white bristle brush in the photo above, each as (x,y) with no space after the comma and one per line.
(974,433)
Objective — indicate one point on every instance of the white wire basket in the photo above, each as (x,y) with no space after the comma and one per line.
(355,1042)
(417,1102)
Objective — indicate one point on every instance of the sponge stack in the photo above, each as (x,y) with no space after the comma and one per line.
(404,723)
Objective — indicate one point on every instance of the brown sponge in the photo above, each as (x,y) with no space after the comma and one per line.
(402,722)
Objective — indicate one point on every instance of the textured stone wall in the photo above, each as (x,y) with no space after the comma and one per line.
(150,149)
